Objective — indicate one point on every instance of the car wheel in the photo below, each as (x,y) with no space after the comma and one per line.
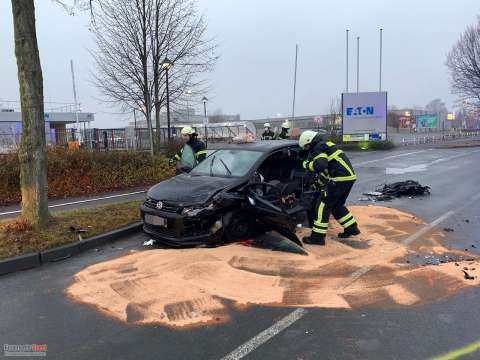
(240,227)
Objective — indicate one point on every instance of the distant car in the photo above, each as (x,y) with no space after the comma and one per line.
(232,194)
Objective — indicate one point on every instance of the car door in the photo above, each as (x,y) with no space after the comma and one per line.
(278,203)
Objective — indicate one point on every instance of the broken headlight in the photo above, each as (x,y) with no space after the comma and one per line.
(195,210)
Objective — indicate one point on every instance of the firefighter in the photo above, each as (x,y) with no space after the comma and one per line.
(284,133)
(189,137)
(335,172)
(268,134)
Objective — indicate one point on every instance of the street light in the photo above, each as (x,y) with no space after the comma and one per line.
(205,120)
(167,65)
(188,93)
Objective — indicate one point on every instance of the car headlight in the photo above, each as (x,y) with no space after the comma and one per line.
(195,210)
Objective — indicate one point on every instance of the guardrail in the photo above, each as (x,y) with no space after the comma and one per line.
(433,139)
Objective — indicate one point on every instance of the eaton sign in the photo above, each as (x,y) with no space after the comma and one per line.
(360,111)
(364,114)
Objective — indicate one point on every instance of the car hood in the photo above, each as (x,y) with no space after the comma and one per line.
(185,189)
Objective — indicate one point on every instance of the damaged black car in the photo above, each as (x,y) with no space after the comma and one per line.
(236,192)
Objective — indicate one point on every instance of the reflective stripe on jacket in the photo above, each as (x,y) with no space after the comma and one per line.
(329,162)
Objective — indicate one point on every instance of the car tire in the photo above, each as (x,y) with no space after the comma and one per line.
(241,226)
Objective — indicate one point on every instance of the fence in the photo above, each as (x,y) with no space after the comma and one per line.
(121,138)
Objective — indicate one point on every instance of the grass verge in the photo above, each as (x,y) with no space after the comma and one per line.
(17,238)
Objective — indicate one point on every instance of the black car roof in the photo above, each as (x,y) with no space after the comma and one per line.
(263,146)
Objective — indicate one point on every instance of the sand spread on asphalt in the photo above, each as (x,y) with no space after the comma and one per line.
(194,287)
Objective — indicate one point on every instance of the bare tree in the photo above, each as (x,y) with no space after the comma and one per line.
(32,151)
(463,62)
(133,37)
(335,111)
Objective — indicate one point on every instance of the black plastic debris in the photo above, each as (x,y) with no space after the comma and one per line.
(448,229)
(467,276)
(408,188)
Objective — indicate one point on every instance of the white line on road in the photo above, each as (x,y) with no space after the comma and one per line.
(415,236)
(265,335)
(390,157)
(81,201)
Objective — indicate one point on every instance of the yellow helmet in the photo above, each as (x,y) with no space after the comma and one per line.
(306,138)
(286,124)
(188,130)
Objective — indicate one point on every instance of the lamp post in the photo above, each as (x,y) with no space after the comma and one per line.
(167,65)
(188,93)
(205,119)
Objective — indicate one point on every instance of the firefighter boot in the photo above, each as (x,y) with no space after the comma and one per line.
(315,239)
(350,231)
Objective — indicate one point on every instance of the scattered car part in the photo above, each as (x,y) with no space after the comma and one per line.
(388,192)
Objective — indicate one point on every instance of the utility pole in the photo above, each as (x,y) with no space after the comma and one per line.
(294,84)
(75,100)
(346,60)
(358,63)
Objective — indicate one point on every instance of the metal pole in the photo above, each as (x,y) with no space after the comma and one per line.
(358,63)
(135,127)
(205,122)
(77,125)
(346,61)
(294,84)
(168,109)
(381,53)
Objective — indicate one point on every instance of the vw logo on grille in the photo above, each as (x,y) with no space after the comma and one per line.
(159,205)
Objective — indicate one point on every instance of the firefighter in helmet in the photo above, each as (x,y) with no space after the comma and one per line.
(267,134)
(285,129)
(190,138)
(335,172)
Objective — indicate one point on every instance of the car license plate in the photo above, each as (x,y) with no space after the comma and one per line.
(155,220)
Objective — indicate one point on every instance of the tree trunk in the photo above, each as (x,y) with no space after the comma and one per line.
(32,151)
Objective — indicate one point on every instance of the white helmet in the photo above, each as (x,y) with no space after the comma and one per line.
(306,138)
(266,125)
(188,130)
(286,124)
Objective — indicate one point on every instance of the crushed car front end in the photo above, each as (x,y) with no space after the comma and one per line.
(179,226)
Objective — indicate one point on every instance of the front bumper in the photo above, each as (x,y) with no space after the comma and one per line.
(180,230)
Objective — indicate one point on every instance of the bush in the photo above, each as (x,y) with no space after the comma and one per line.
(82,172)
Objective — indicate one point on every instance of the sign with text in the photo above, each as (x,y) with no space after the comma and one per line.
(364,114)
(428,121)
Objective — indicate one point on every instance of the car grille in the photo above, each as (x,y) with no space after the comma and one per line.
(167,207)
(161,231)
(194,227)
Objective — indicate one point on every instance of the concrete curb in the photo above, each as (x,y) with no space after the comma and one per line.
(32,260)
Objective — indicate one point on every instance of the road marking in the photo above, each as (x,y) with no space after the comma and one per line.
(415,236)
(439,220)
(81,201)
(260,339)
(390,157)
(355,276)
(455,354)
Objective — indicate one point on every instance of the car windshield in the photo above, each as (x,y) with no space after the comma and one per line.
(229,163)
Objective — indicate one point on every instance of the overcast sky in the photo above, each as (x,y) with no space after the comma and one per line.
(254,76)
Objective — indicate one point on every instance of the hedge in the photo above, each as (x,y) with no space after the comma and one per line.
(82,172)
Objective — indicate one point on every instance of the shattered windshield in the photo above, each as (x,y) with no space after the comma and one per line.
(228,163)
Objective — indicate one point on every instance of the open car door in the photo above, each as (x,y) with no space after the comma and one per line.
(276,208)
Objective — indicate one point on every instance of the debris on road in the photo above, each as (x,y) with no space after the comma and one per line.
(467,276)
(388,192)
(150,242)
(196,287)
(448,229)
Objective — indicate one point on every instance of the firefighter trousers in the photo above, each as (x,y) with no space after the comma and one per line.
(332,201)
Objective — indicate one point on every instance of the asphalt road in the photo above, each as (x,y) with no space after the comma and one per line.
(33,308)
